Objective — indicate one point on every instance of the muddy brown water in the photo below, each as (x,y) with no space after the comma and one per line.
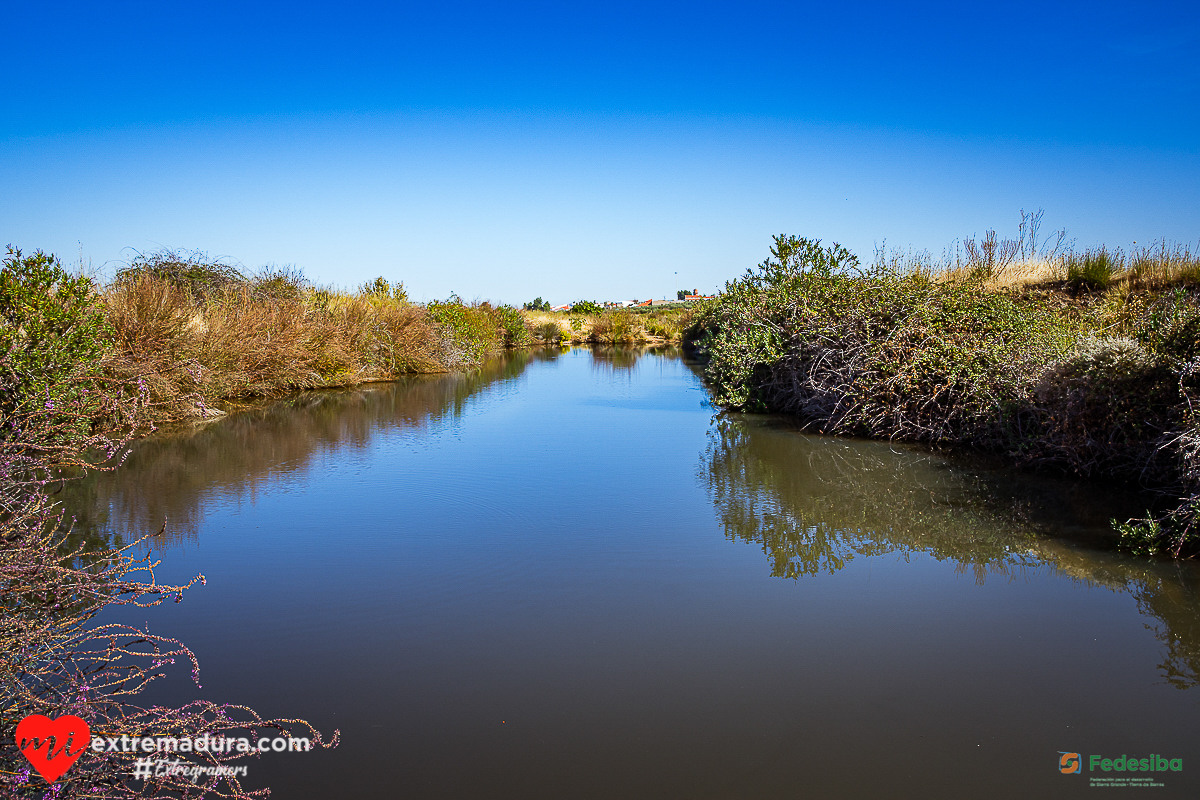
(568,576)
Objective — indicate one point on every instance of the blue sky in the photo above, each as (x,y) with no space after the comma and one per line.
(600,150)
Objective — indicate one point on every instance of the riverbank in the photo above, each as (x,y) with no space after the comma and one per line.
(1083,362)
(193,338)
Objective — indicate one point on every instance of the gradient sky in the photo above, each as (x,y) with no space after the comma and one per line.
(587,150)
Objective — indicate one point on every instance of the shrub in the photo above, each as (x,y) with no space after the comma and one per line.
(1106,408)
(280,283)
(514,331)
(380,288)
(470,332)
(617,327)
(537,304)
(586,307)
(1170,325)
(194,271)
(52,334)
(550,332)
(882,354)
(58,653)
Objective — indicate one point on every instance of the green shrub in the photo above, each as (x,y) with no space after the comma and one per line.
(586,307)
(52,331)
(537,304)
(470,331)
(881,354)
(1140,537)
(382,289)
(1171,325)
(514,330)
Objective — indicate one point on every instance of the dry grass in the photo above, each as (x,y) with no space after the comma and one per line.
(619,326)
(195,352)
(1164,265)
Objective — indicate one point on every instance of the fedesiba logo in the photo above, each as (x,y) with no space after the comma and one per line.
(1070,763)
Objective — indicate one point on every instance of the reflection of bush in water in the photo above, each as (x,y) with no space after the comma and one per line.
(1177,604)
(814,503)
(168,477)
(623,359)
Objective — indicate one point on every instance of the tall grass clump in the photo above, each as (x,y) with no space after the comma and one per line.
(1163,265)
(550,332)
(1093,269)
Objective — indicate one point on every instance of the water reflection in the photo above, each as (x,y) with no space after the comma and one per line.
(614,359)
(162,487)
(814,504)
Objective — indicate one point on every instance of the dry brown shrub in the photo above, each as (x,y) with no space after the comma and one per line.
(193,353)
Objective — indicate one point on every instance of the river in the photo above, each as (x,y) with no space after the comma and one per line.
(568,576)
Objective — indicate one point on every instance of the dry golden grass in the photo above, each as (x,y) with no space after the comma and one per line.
(1164,265)
(1026,273)
(194,353)
(618,326)
(1016,275)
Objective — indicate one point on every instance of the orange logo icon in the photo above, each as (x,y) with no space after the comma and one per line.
(1070,763)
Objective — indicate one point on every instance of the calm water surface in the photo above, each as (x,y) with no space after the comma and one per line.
(566,576)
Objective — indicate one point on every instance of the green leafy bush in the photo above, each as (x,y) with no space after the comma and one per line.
(52,331)
(514,331)
(382,289)
(470,331)
(879,353)
(586,307)
(1170,325)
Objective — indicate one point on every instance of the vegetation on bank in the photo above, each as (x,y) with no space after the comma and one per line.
(54,659)
(196,335)
(1081,361)
(609,326)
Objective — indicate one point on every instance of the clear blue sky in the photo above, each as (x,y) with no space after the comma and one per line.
(598,150)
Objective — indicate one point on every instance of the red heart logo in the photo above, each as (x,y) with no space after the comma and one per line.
(34,735)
